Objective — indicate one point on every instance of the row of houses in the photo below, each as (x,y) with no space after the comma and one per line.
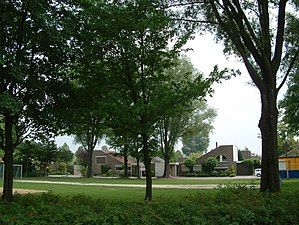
(228,158)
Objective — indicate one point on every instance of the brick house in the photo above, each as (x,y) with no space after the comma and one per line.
(115,162)
(227,156)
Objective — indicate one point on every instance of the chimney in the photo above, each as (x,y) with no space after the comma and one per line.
(216,144)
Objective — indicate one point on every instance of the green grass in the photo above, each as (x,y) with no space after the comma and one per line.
(108,193)
(134,194)
(160,181)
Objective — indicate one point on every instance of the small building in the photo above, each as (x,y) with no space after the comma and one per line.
(289,164)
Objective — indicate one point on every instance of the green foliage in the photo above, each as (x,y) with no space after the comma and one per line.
(64,154)
(81,156)
(189,162)
(36,155)
(286,138)
(176,156)
(198,128)
(231,205)
(105,169)
(255,163)
(211,163)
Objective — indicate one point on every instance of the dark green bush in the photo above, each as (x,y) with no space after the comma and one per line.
(105,169)
(227,206)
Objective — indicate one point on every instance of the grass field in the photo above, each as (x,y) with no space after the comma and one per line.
(133,193)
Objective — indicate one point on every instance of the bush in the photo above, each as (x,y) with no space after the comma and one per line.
(228,206)
(105,169)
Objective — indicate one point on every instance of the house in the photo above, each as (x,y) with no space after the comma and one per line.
(227,156)
(289,164)
(104,160)
(108,160)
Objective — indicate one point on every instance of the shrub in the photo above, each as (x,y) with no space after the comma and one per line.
(232,205)
(105,169)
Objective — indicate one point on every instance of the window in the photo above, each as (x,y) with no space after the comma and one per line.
(101,160)
(119,167)
(222,158)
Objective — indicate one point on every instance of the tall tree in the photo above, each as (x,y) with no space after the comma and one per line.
(137,62)
(198,129)
(183,120)
(255,32)
(34,50)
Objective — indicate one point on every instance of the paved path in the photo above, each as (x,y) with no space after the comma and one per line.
(164,186)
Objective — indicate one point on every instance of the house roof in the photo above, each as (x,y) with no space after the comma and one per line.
(292,153)
(120,158)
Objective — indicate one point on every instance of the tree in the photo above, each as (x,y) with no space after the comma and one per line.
(255,32)
(33,154)
(190,162)
(88,140)
(46,154)
(211,163)
(64,154)
(195,144)
(286,139)
(125,142)
(34,54)
(141,33)
(176,156)
(25,154)
(81,156)
(290,105)
(189,118)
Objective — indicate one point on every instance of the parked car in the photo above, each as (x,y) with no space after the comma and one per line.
(258,172)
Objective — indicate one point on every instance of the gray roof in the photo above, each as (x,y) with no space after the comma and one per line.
(292,153)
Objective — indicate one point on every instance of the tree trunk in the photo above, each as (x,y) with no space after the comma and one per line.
(8,160)
(268,125)
(126,160)
(167,155)
(148,169)
(89,164)
(166,166)
(138,166)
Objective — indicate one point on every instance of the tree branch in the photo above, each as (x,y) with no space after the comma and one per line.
(279,36)
(185,4)
(239,45)
(288,71)
(194,21)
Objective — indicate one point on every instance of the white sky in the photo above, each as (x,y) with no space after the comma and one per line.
(237,103)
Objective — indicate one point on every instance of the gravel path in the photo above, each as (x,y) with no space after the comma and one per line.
(24,191)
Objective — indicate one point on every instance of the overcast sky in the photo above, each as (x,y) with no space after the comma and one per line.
(236,101)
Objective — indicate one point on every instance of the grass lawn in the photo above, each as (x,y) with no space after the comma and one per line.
(124,193)
(135,194)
